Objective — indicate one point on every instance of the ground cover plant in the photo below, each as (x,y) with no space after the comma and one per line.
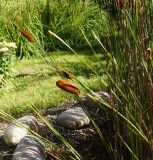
(127,54)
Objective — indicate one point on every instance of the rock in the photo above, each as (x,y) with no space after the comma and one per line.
(29,148)
(14,132)
(90,103)
(73,118)
(30,121)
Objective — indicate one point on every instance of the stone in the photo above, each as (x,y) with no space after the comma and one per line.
(73,118)
(30,121)
(29,148)
(91,103)
(14,132)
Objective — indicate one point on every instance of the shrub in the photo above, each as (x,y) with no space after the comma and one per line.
(5,60)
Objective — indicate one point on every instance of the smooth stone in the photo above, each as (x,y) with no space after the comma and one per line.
(73,118)
(13,135)
(14,132)
(30,121)
(29,148)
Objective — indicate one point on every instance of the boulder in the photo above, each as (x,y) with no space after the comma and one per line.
(30,121)
(13,134)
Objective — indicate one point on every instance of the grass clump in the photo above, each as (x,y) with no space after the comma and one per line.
(130,79)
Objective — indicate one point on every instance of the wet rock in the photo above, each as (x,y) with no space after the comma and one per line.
(29,148)
(73,118)
(15,131)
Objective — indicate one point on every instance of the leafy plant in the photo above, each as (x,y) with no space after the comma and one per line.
(5,60)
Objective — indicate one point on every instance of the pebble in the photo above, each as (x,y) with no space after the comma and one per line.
(29,148)
(73,118)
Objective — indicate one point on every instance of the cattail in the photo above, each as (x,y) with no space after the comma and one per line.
(67,86)
(28,36)
(67,75)
(121,4)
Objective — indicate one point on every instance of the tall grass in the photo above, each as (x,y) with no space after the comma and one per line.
(17,16)
(65,17)
(38,16)
(130,75)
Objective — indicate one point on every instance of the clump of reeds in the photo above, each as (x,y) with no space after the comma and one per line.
(131,76)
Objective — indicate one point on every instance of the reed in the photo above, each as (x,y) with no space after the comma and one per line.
(130,77)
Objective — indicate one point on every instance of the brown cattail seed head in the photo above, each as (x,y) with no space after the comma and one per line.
(67,86)
(28,36)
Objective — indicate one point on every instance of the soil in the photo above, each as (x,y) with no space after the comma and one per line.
(85,140)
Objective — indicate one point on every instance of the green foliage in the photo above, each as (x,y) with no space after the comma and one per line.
(36,81)
(5,60)
(66,17)
(39,16)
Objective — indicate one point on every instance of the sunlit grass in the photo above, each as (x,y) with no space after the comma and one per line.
(37,81)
